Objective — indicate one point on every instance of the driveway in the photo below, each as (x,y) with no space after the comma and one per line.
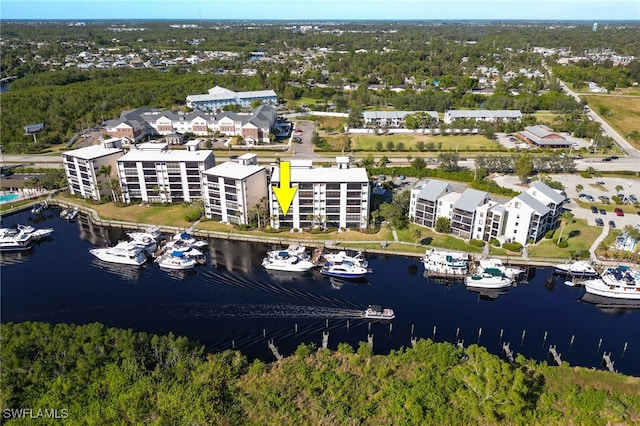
(304,148)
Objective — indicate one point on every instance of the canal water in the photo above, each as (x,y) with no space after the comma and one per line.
(232,302)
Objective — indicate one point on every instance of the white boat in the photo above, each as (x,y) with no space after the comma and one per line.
(341,256)
(125,252)
(69,214)
(445,262)
(36,233)
(344,269)
(188,239)
(376,312)
(15,240)
(618,283)
(488,278)
(147,242)
(286,262)
(508,271)
(176,260)
(293,250)
(152,232)
(578,268)
(37,208)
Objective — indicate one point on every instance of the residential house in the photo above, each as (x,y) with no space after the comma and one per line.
(326,196)
(232,189)
(83,168)
(153,173)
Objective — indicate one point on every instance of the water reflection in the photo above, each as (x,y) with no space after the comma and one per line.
(488,294)
(126,272)
(610,305)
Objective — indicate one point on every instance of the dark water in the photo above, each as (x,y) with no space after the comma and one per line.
(233,302)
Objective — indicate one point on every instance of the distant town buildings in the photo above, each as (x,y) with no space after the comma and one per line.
(219,97)
(543,136)
(492,116)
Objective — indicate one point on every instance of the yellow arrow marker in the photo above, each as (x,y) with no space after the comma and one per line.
(285,193)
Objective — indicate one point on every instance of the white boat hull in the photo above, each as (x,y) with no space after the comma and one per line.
(283,266)
(491,283)
(104,255)
(600,288)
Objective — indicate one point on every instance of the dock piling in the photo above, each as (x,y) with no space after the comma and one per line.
(370,340)
(544,339)
(599,345)
(522,338)
(434,332)
(325,339)
(624,350)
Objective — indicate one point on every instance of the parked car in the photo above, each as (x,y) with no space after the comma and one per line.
(606,159)
(618,211)
(603,211)
(604,198)
(614,157)
(594,209)
(612,224)
(600,182)
(599,222)
(632,198)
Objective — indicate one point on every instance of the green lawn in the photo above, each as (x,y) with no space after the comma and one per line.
(449,143)
(431,238)
(580,235)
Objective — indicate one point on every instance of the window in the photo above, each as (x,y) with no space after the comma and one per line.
(517,204)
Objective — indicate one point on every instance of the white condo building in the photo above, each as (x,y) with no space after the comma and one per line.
(82,167)
(524,218)
(152,173)
(232,189)
(326,196)
(219,97)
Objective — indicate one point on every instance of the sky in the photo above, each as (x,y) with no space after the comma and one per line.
(602,10)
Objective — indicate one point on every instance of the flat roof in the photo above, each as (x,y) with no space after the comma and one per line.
(451,197)
(166,155)
(92,152)
(233,170)
(324,174)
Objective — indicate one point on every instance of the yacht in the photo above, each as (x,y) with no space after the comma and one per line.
(508,271)
(445,262)
(344,269)
(69,214)
(376,312)
(177,260)
(293,250)
(152,232)
(188,239)
(148,243)
(125,252)
(284,261)
(15,240)
(341,256)
(578,268)
(36,234)
(618,283)
(488,278)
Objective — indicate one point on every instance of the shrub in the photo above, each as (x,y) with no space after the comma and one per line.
(616,199)
(515,246)
(192,214)
(563,243)
(477,243)
(549,234)
(494,242)
(585,174)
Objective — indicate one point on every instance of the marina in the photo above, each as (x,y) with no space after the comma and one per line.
(219,303)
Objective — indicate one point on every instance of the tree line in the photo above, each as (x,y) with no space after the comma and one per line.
(104,375)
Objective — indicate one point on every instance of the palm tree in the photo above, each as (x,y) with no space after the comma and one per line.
(104,170)
(634,232)
(619,188)
(416,233)
(565,218)
(114,186)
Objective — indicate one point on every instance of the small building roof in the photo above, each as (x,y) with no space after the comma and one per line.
(233,170)
(324,174)
(165,155)
(555,196)
(536,205)
(451,197)
(92,152)
(470,199)
(432,190)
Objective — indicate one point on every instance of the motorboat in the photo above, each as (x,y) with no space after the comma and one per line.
(69,214)
(376,312)
(15,240)
(341,256)
(344,269)
(125,252)
(445,262)
(152,232)
(286,262)
(578,268)
(148,243)
(176,260)
(36,233)
(508,271)
(618,283)
(293,250)
(37,208)
(488,278)
(187,239)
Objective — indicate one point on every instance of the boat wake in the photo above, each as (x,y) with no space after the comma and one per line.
(258,311)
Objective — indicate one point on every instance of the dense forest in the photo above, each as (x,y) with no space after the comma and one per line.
(436,63)
(92,374)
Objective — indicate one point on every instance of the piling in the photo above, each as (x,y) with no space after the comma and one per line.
(412,328)
(370,340)
(347,324)
(325,339)
(599,345)
(624,350)
(295,328)
(414,341)
(544,339)
(264,332)
(233,344)
(434,332)
(522,338)
(326,323)
(457,332)
(390,327)
(571,344)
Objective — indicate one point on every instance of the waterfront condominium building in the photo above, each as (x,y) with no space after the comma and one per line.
(231,190)
(463,215)
(336,197)
(219,97)
(152,173)
(90,169)
(424,201)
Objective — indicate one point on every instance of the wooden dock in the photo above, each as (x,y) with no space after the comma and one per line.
(555,355)
(508,352)
(606,359)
